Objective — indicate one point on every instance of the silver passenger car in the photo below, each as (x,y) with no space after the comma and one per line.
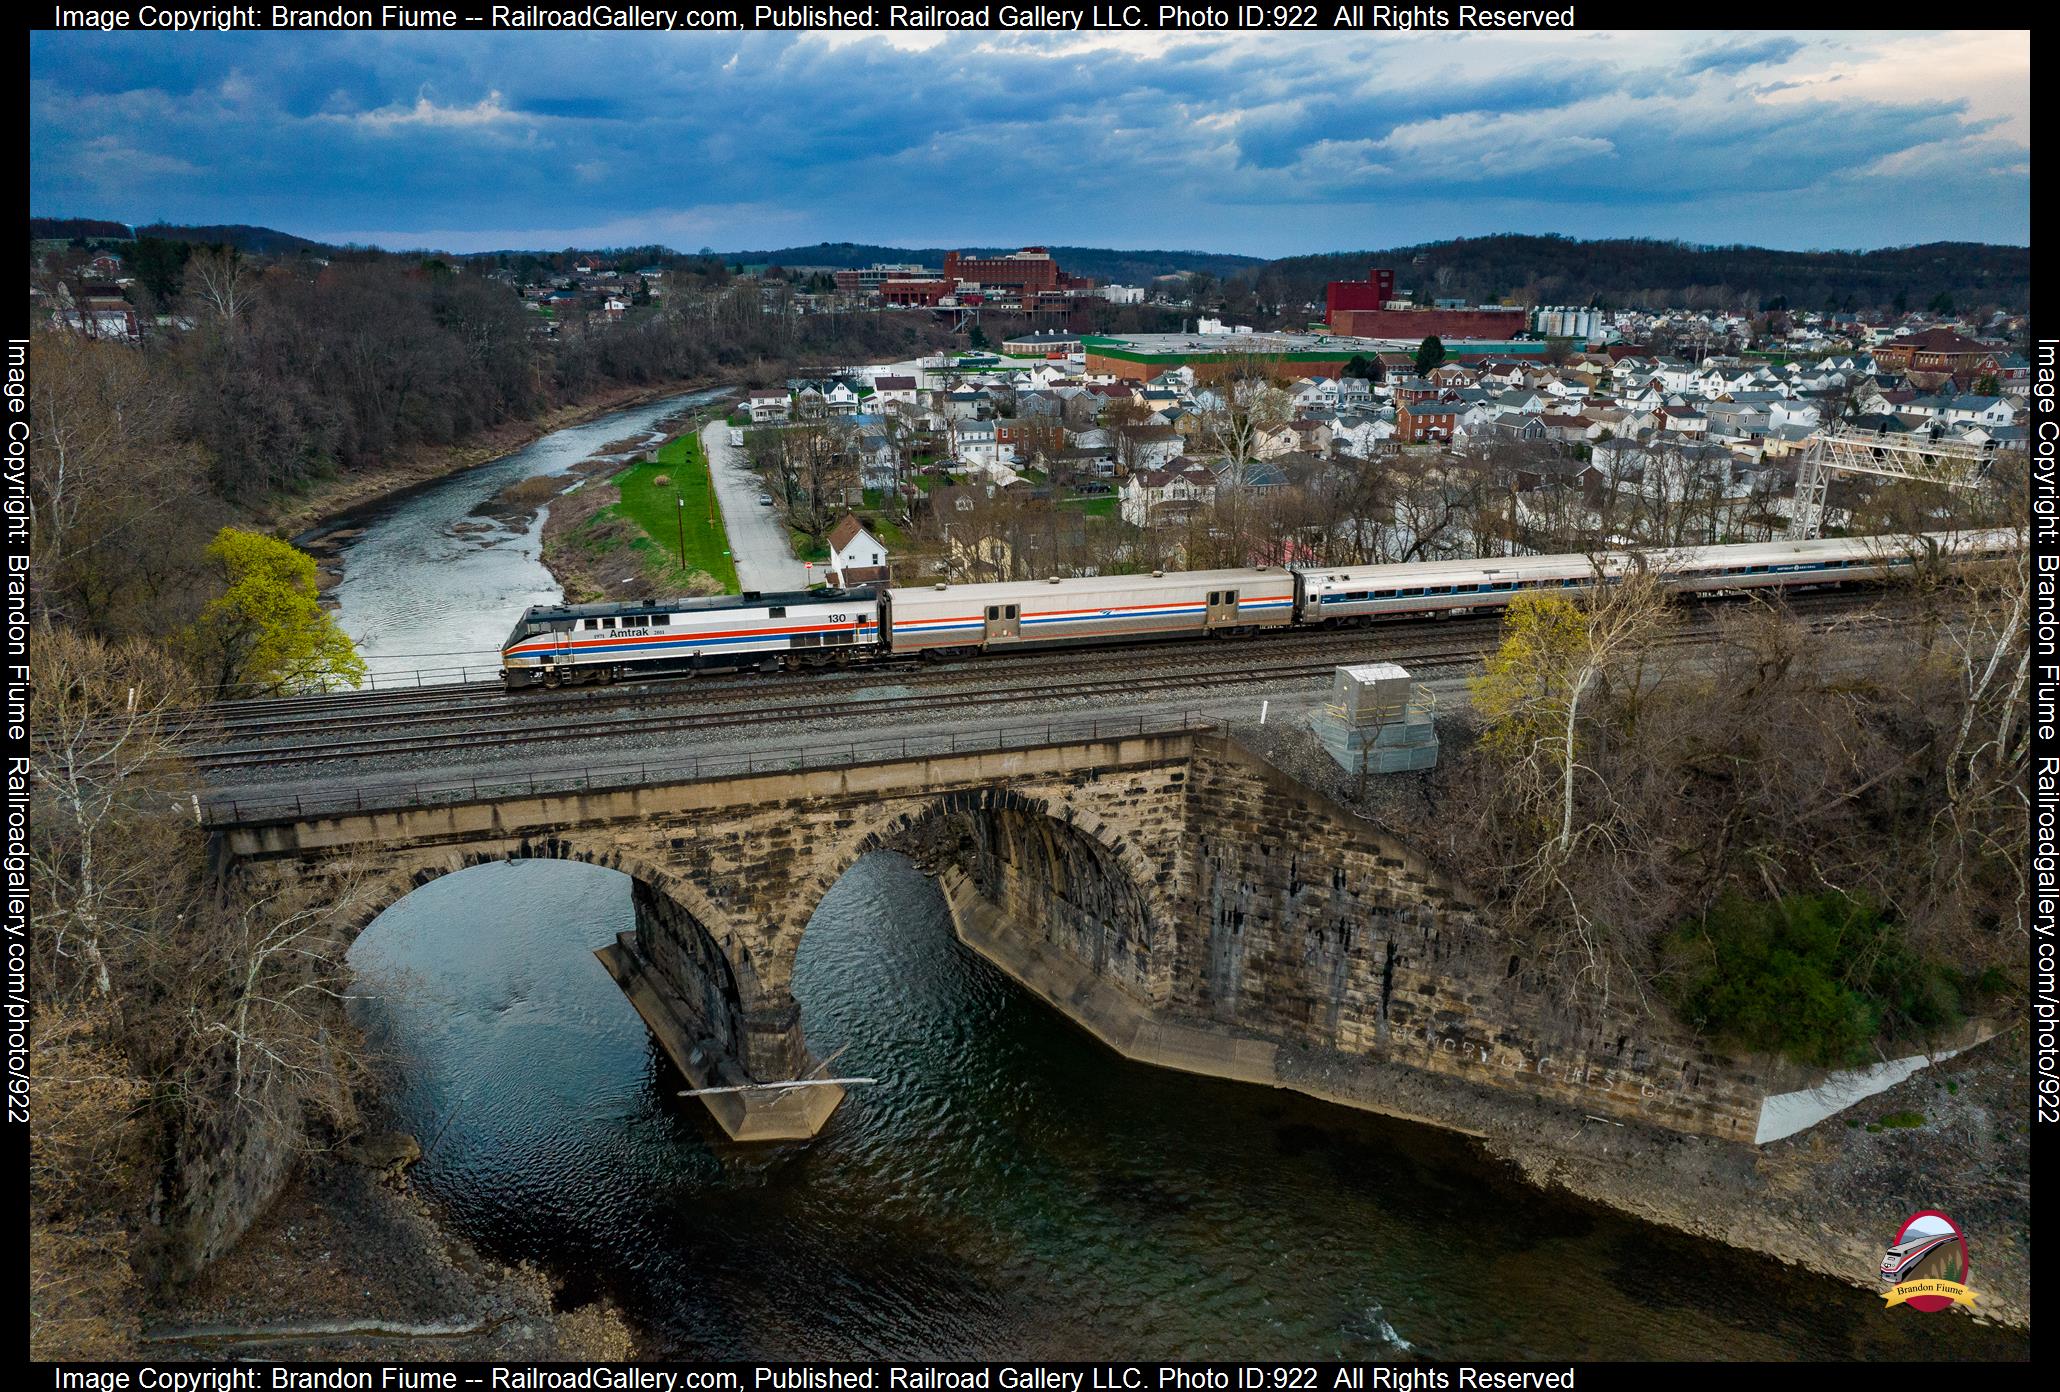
(1087,609)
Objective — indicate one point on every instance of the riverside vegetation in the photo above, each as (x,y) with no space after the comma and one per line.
(189,1048)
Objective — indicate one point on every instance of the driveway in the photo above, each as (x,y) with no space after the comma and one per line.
(758,538)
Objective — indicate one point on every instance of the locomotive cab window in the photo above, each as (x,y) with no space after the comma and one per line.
(778,611)
(661,620)
(994,611)
(607,623)
(1012,611)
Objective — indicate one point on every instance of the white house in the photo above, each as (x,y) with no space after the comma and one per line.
(1164,495)
(1805,413)
(857,557)
(767,406)
(973,441)
(894,389)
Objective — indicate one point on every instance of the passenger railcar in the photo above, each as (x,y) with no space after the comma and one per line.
(949,620)
(1362,593)
(571,643)
(554,645)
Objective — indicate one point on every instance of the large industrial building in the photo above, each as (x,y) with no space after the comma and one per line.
(1027,272)
(1369,309)
(1141,357)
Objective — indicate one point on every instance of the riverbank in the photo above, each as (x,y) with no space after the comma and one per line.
(1828,1199)
(344,1265)
(332,500)
(595,552)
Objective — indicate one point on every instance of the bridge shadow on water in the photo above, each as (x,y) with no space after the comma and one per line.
(1009,1187)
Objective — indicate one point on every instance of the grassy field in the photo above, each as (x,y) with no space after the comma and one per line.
(656,509)
(1095,507)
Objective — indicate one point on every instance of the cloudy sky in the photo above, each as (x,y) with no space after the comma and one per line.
(1263,144)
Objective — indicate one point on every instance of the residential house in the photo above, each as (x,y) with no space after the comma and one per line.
(764,406)
(1421,421)
(895,389)
(857,557)
(975,441)
(1164,497)
(1361,433)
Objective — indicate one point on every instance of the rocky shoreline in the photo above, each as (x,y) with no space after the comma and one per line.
(349,1264)
(1828,1199)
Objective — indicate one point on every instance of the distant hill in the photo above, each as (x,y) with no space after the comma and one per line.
(64,229)
(261,241)
(1102,263)
(1636,271)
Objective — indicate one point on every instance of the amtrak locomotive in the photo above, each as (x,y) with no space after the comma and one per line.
(574,643)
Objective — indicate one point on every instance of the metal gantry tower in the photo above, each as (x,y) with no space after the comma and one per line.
(1917,456)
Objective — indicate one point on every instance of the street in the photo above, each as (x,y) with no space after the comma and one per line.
(758,536)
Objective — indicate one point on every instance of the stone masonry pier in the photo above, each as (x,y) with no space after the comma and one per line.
(1183,900)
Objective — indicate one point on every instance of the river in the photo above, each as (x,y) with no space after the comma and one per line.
(1008,1187)
(432,583)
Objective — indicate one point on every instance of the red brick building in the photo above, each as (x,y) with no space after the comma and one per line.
(1371,293)
(916,292)
(1934,350)
(1357,307)
(1481,321)
(1425,420)
(1027,271)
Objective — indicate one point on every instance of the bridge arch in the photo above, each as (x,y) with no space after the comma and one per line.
(682,936)
(1058,871)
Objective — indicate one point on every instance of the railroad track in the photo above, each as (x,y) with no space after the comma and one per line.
(233,724)
(1459,652)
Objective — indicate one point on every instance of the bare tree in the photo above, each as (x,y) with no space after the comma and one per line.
(108,795)
(223,284)
(1535,699)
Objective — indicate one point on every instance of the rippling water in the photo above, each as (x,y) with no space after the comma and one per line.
(433,585)
(1010,1188)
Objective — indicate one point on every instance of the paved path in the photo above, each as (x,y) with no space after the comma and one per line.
(758,538)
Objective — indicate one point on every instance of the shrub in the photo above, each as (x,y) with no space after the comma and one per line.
(1815,978)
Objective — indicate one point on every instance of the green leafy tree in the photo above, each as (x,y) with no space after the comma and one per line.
(1429,354)
(1942,303)
(160,266)
(267,633)
(1816,978)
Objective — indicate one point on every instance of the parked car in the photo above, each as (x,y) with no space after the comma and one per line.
(765,500)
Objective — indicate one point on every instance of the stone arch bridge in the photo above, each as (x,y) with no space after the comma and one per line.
(1185,901)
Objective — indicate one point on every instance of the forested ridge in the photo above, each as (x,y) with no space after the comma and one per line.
(1617,272)
(272,375)
(1640,272)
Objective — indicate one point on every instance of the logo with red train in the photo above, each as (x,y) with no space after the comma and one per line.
(1926,1267)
